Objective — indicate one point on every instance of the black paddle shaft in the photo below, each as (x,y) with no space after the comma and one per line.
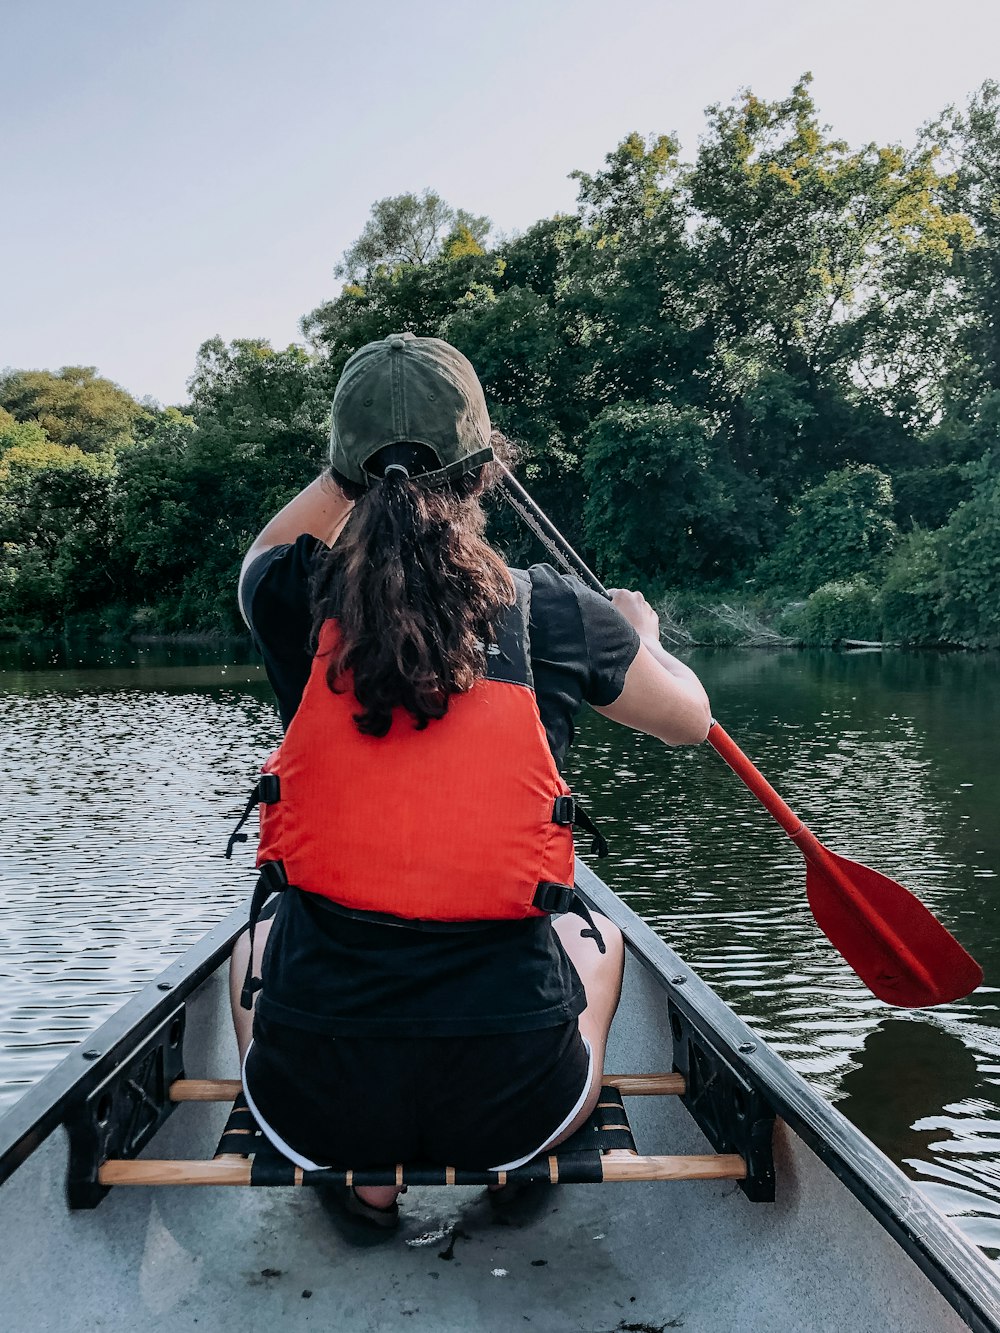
(546,531)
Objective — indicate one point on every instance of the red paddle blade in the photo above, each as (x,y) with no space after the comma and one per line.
(900,950)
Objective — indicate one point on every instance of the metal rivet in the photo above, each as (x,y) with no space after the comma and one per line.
(678,981)
(747,1047)
(164,985)
(91,1055)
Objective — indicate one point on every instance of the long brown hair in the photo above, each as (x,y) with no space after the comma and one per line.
(416,590)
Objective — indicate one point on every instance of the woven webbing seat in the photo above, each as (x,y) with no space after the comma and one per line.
(601,1150)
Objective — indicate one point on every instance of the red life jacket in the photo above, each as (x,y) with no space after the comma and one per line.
(465,820)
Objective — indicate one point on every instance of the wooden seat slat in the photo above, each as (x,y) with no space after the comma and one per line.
(629,1085)
(602,1150)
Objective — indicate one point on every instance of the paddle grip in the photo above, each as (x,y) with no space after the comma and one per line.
(727,749)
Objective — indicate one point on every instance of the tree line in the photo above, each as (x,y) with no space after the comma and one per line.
(768,376)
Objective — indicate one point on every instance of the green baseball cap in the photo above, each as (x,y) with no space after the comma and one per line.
(409,390)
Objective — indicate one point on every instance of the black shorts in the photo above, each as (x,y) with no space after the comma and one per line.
(474,1102)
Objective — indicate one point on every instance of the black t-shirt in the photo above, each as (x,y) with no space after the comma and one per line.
(333,974)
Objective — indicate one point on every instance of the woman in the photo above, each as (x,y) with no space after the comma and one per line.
(420,1000)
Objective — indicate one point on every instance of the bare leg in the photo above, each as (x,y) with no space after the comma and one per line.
(379,1196)
(243,1018)
(601,974)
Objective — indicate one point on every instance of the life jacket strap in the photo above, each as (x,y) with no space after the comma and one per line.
(267,789)
(568,810)
(580,908)
(560,898)
(553,897)
(272,879)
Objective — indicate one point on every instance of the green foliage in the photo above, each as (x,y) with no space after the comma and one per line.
(911,593)
(631,189)
(191,497)
(944,586)
(14,432)
(841,528)
(411,229)
(74,407)
(55,551)
(970,563)
(925,497)
(661,502)
(838,610)
(762,360)
(969,143)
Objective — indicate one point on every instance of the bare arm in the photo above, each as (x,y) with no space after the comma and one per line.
(661,695)
(321,510)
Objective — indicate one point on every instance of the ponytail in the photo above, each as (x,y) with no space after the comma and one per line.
(415,588)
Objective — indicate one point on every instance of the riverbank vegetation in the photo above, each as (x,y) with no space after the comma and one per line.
(764,384)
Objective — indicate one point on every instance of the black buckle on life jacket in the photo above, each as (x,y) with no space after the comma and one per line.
(568,810)
(559,898)
(270,879)
(564,810)
(553,897)
(267,790)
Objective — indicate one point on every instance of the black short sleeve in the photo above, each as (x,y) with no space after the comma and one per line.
(581,649)
(275,597)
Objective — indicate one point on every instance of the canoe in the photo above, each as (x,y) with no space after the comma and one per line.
(797,1224)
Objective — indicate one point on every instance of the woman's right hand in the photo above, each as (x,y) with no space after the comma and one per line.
(638,612)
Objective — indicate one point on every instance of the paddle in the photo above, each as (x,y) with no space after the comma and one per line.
(896,946)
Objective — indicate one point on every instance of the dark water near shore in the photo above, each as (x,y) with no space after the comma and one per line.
(126,768)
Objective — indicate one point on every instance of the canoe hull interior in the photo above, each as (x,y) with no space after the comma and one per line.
(697,1255)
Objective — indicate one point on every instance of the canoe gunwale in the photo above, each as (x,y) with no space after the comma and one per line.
(49,1103)
(960,1272)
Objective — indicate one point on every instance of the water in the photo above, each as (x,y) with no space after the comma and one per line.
(122,781)
(126,773)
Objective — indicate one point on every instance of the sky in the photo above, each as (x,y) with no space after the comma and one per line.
(175,171)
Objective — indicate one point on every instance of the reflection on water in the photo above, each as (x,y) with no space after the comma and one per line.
(128,771)
(120,780)
(891,759)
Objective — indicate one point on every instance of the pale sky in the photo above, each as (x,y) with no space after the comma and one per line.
(172,171)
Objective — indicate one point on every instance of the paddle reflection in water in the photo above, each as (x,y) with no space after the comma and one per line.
(913,1093)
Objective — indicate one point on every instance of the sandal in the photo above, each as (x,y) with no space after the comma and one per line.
(386,1219)
(358,1222)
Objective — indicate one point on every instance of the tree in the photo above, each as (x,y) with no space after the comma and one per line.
(827,265)
(55,555)
(661,502)
(969,546)
(630,191)
(14,432)
(411,229)
(75,406)
(841,528)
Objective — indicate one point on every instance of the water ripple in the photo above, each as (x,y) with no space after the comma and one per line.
(112,834)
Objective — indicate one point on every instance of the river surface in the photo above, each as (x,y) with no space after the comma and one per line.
(125,769)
